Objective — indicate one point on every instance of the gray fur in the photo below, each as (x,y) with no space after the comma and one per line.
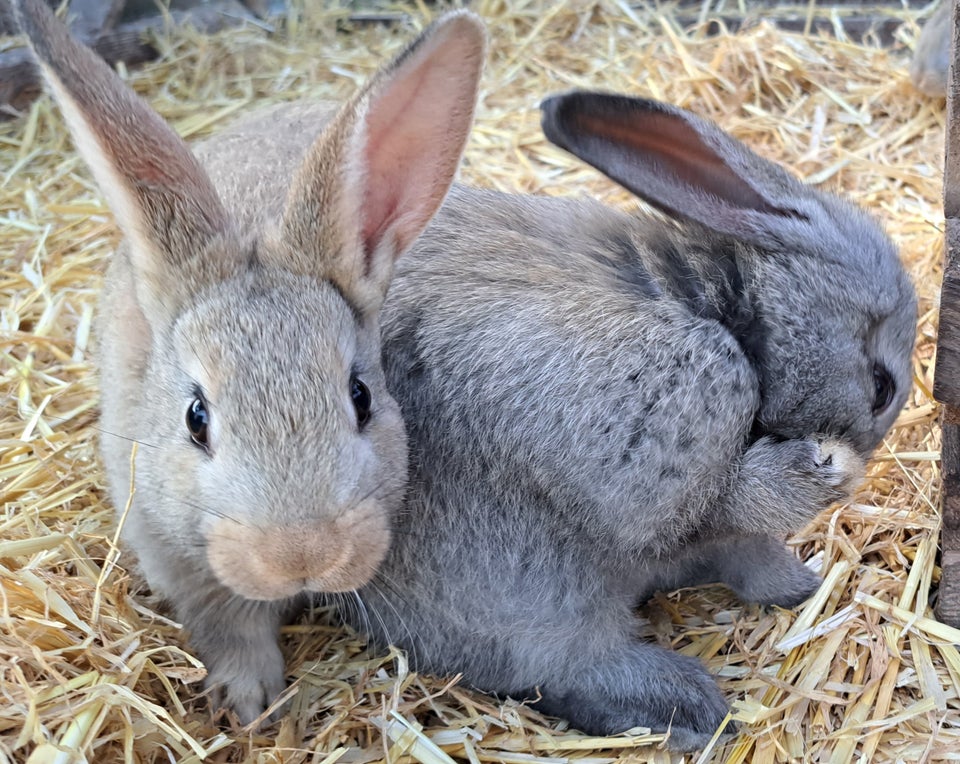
(602,405)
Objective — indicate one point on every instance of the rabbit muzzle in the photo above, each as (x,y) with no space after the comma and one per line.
(276,562)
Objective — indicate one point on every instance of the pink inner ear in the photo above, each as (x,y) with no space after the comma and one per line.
(149,171)
(665,161)
(380,209)
(399,131)
(679,149)
(416,127)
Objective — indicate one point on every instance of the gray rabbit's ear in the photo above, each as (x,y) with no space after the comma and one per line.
(682,164)
(163,201)
(378,173)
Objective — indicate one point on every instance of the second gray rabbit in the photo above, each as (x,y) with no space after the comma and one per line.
(602,405)
(930,66)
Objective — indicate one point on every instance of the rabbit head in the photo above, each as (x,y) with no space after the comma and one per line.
(247,363)
(817,295)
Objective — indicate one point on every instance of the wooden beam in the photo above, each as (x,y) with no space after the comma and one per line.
(946,380)
(91,18)
(946,385)
(951,175)
(948,598)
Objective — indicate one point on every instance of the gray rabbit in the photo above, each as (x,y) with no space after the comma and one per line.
(239,334)
(930,66)
(603,405)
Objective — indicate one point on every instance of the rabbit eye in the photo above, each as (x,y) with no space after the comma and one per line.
(883,387)
(197,421)
(360,396)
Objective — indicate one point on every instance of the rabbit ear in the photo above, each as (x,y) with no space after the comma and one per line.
(682,164)
(162,199)
(378,173)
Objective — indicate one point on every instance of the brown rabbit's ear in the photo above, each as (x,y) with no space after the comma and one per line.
(381,169)
(684,165)
(163,201)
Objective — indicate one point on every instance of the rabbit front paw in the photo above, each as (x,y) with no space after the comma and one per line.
(648,687)
(792,585)
(839,467)
(783,484)
(761,569)
(247,681)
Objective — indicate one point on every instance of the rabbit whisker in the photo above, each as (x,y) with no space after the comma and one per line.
(379,580)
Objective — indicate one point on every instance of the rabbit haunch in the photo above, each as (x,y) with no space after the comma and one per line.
(602,405)
(271,459)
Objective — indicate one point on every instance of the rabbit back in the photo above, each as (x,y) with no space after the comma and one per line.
(538,350)
(252,160)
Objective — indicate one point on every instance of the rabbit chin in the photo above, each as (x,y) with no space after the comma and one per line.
(278,562)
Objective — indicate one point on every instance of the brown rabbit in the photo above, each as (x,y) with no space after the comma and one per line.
(239,333)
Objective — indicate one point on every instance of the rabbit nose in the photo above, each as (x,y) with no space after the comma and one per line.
(281,561)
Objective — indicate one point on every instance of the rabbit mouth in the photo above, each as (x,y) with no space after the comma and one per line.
(281,561)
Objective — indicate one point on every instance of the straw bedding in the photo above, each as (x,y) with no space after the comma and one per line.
(92,669)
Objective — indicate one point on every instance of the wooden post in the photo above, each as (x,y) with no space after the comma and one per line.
(946,386)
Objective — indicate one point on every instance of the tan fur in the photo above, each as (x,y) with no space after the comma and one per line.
(273,141)
(280,562)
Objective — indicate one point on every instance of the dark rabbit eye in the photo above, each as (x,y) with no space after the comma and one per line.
(360,396)
(197,421)
(884,388)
